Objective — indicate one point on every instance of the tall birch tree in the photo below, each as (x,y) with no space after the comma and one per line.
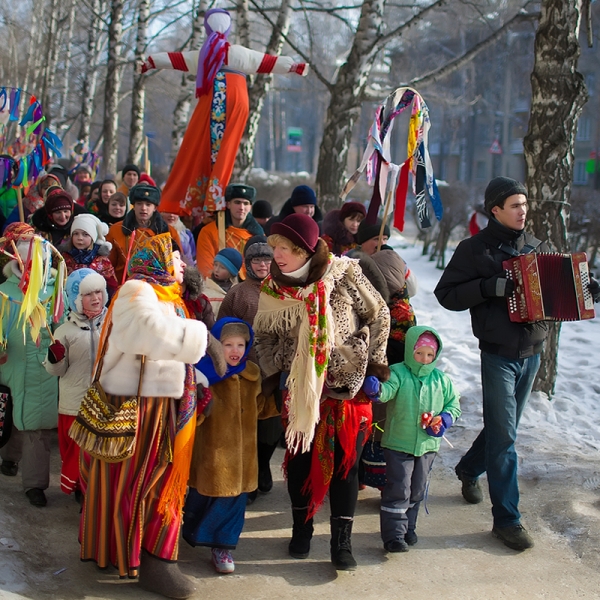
(138,93)
(258,92)
(90,76)
(558,96)
(112,86)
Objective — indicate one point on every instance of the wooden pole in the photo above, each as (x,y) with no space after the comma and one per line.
(20,205)
(388,202)
(221,228)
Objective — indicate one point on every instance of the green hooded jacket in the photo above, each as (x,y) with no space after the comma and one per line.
(412,390)
(34,391)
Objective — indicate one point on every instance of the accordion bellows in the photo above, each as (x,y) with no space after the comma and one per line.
(549,287)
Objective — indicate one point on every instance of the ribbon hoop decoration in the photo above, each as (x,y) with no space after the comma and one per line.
(38,276)
(391,180)
(26,164)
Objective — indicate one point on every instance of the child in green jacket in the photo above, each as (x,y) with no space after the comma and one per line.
(422,404)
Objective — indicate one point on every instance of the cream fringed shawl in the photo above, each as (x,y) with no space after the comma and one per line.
(307,308)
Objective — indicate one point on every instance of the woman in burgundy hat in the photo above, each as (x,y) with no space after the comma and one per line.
(321,327)
(340,227)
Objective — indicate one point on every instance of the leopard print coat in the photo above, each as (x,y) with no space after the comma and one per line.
(361,321)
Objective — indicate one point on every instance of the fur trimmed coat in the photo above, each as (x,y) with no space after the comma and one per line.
(142,325)
(225,463)
(361,320)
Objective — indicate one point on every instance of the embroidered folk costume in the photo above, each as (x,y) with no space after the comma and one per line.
(137,504)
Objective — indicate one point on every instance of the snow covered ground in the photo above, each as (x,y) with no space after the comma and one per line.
(566,427)
(559,477)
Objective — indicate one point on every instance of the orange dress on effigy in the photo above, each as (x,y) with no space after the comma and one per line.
(205,160)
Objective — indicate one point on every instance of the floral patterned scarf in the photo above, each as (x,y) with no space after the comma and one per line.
(280,310)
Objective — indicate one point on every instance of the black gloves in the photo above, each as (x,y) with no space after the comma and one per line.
(497,286)
(594,288)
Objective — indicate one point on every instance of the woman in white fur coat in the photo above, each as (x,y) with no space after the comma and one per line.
(133,509)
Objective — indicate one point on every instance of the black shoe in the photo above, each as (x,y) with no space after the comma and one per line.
(396,546)
(251,497)
(78,496)
(411,537)
(341,543)
(265,479)
(36,497)
(471,490)
(514,536)
(302,532)
(9,468)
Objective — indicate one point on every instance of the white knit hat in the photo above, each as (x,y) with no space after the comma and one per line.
(94,227)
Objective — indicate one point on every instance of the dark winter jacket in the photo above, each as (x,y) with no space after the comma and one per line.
(460,287)
(46,227)
(338,238)
(286,210)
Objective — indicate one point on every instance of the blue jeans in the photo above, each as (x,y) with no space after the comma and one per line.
(506,386)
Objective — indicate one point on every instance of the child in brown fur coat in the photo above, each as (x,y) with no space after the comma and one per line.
(224,464)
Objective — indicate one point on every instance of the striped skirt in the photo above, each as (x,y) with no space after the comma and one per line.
(120,515)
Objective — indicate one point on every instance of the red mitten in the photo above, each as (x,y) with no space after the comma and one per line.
(204,399)
(56,352)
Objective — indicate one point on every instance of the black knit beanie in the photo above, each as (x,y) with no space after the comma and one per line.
(262,209)
(367,231)
(499,189)
(128,168)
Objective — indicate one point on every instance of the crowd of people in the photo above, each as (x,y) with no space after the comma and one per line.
(299,330)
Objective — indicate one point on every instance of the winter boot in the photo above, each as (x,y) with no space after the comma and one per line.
(514,536)
(471,490)
(411,537)
(9,468)
(265,478)
(164,578)
(341,546)
(302,532)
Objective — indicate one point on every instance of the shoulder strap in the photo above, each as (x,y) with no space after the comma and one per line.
(142,365)
(102,352)
(526,249)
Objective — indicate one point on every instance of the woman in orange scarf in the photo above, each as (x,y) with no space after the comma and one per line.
(133,509)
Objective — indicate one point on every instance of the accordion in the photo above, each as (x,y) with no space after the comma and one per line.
(549,287)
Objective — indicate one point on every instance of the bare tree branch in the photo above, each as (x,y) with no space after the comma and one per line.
(295,48)
(454,65)
(384,39)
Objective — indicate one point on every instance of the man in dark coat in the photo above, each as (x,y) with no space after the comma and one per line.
(510,352)
(303,201)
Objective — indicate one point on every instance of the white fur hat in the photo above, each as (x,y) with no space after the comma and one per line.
(93,226)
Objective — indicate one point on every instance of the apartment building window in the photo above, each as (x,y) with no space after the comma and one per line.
(584,129)
(580,176)
(480,170)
